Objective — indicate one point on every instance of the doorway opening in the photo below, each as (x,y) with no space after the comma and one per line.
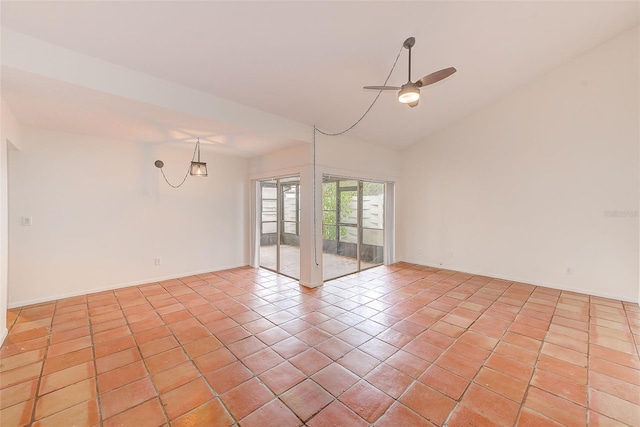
(280,225)
(353,229)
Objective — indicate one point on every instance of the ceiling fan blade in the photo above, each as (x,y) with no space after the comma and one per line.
(413,104)
(382,87)
(436,76)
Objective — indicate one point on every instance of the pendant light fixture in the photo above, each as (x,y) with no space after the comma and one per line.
(196,168)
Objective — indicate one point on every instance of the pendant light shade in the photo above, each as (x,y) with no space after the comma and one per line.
(198,169)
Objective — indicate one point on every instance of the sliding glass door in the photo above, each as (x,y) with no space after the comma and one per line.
(280,226)
(352,226)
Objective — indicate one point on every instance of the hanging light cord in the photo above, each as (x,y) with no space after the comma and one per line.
(195,150)
(316,130)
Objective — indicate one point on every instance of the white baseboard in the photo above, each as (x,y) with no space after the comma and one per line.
(522,280)
(119,286)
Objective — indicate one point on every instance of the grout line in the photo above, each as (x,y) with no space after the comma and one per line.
(588,382)
(143,358)
(404,286)
(36,398)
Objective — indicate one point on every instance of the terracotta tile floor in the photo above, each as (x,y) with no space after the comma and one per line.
(402,345)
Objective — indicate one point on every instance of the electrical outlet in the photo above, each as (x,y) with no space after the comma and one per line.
(157,261)
(419,251)
(570,271)
(27,221)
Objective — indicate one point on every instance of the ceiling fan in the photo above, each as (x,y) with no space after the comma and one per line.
(410,91)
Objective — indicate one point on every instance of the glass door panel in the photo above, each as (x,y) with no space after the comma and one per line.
(340,227)
(289,243)
(269,224)
(280,226)
(352,226)
(371,249)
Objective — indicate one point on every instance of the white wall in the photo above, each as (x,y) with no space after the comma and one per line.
(102,213)
(339,155)
(525,189)
(288,161)
(350,157)
(10,138)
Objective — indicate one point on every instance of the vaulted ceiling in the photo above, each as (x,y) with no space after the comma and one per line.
(302,61)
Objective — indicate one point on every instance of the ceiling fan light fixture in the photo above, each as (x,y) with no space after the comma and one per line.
(409,93)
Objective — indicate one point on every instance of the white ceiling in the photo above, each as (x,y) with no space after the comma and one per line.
(306,61)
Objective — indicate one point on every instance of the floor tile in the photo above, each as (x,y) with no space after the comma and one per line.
(202,346)
(273,335)
(175,377)
(85,413)
(228,377)
(334,348)
(506,386)
(556,408)
(18,393)
(335,379)
(229,336)
(282,377)
(310,361)
(614,407)
(378,348)
(337,414)
(127,396)
(165,360)
(148,413)
(366,400)
(262,360)
(214,360)
(306,399)
(422,349)
(63,378)
(182,399)
(615,387)
(246,398)
(395,338)
(358,362)
(445,382)
(118,377)
(491,405)
(615,370)
(510,367)
(290,347)
(160,345)
(18,414)
(400,415)
(389,380)
(560,386)
(68,360)
(427,402)
(273,414)
(464,416)
(459,365)
(65,398)
(116,360)
(211,413)
(529,418)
